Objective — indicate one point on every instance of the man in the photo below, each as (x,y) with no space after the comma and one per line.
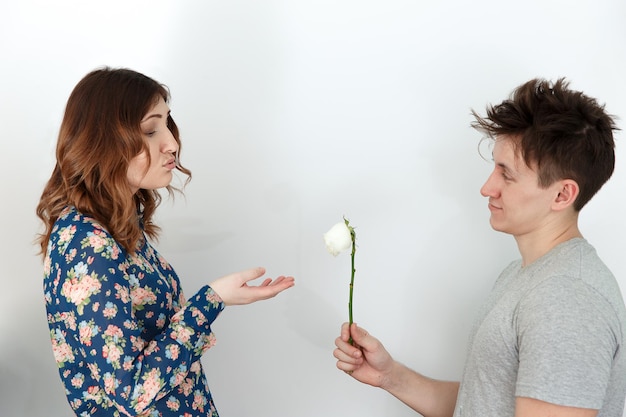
(551,338)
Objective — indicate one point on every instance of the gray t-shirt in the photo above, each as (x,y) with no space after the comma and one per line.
(554,331)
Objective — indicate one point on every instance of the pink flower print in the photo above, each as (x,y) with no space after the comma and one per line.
(115,252)
(121,408)
(186,386)
(168,301)
(95,371)
(149,389)
(66,234)
(134,259)
(74,291)
(69,319)
(128,363)
(209,341)
(62,352)
(92,390)
(172,351)
(112,354)
(78,286)
(198,401)
(80,270)
(152,383)
(110,383)
(122,293)
(123,267)
(56,281)
(138,343)
(142,296)
(151,348)
(130,324)
(86,332)
(110,310)
(172,403)
(46,266)
(200,318)
(195,367)
(213,298)
(182,334)
(176,318)
(114,332)
(76,403)
(173,284)
(160,323)
(178,378)
(78,380)
(70,255)
(164,264)
(96,241)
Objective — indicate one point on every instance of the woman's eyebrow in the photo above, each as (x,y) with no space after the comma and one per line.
(155,115)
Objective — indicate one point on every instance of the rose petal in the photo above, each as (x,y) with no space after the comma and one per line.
(338,239)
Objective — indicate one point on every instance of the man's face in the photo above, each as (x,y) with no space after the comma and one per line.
(518,205)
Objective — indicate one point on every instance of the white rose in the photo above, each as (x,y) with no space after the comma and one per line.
(338,239)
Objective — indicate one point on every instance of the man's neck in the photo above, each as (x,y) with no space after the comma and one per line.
(534,246)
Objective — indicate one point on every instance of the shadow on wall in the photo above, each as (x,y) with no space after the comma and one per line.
(26,388)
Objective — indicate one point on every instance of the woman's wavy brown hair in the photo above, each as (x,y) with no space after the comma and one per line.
(99,136)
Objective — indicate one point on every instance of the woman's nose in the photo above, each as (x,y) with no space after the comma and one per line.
(170,145)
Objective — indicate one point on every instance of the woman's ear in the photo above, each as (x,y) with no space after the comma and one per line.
(567,194)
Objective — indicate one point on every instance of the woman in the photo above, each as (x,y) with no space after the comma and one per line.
(126,340)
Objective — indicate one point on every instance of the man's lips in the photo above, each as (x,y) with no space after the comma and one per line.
(493,206)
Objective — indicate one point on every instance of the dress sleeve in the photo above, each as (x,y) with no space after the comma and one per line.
(567,339)
(96,335)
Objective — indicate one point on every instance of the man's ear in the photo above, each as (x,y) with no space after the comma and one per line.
(566,195)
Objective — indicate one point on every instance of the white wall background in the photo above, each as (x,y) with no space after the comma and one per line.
(295,113)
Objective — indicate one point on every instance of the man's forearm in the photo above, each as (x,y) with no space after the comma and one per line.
(427,396)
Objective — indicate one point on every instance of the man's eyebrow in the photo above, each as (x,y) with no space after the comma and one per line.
(505,167)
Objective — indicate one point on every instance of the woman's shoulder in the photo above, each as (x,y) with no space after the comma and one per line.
(75,228)
(72,218)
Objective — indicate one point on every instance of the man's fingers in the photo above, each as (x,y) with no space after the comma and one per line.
(345,332)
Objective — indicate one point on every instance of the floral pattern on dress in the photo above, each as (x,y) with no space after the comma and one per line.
(126,341)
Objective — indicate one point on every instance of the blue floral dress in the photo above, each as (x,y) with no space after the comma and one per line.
(126,341)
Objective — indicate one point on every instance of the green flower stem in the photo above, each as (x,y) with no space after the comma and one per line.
(351,278)
(353,270)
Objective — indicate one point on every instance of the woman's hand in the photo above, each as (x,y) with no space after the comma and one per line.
(233,289)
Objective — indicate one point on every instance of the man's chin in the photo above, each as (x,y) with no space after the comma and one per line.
(497,227)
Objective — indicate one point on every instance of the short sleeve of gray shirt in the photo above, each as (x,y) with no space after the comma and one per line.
(567,340)
(552,331)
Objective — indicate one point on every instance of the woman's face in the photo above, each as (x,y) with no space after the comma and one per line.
(162,147)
